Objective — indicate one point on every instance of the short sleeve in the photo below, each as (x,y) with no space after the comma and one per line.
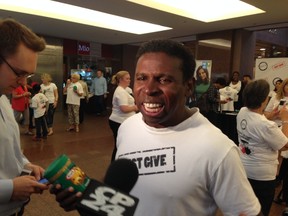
(231,188)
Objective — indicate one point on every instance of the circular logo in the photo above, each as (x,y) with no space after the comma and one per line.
(243,124)
(263,66)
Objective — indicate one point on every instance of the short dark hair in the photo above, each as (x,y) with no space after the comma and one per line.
(173,49)
(36,88)
(247,75)
(221,81)
(255,93)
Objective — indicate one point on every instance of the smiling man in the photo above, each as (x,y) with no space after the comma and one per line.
(186,165)
(19,48)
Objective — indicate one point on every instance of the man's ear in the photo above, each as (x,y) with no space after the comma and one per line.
(190,84)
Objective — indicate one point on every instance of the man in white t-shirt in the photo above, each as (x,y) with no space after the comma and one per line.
(186,165)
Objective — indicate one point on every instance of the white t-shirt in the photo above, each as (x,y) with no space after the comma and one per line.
(259,142)
(187,169)
(232,94)
(39,104)
(48,91)
(121,97)
(272,94)
(236,86)
(73,97)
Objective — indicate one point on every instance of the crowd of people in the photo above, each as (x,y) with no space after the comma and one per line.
(203,170)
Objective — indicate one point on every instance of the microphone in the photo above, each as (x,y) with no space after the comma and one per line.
(111,198)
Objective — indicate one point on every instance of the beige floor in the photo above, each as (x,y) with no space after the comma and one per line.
(90,149)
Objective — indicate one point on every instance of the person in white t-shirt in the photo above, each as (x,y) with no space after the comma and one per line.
(40,105)
(74,92)
(236,84)
(123,104)
(230,95)
(186,165)
(272,111)
(235,81)
(277,85)
(50,90)
(259,141)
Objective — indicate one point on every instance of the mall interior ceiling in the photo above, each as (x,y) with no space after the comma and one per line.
(183,29)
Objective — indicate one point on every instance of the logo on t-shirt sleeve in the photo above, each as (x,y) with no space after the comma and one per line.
(153,161)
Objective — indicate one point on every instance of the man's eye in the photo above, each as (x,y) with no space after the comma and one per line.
(140,78)
(164,80)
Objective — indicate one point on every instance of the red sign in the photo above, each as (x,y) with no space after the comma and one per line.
(83,48)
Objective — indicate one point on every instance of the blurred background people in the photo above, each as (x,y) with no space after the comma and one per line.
(83,100)
(99,90)
(123,104)
(259,141)
(246,79)
(272,112)
(215,101)
(74,92)
(20,105)
(236,84)
(40,105)
(229,95)
(30,84)
(50,90)
(277,86)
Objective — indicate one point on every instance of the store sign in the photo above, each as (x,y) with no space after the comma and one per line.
(83,48)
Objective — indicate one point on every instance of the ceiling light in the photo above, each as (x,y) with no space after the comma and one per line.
(216,42)
(72,13)
(262,49)
(203,10)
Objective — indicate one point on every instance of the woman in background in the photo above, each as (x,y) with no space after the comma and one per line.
(20,105)
(50,90)
(202,81)
(272,111)
(259,141)
(201,88)
(74,92)
(123,104)
(237,85)
(277,85)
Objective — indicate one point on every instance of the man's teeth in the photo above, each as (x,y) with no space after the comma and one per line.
(152,107)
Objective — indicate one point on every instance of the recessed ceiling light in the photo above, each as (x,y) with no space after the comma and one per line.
(72,13)
(262,49)
(203,10)
(217,42)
